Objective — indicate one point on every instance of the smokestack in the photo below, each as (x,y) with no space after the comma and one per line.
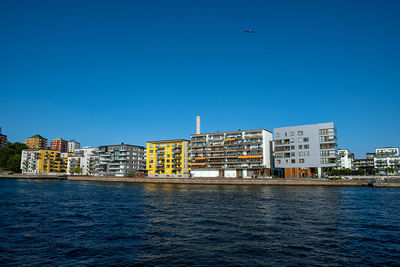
(197,124)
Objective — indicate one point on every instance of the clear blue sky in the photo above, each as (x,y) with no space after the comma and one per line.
(103,72)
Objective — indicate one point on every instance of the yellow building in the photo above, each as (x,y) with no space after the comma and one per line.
(36,142)
(53,161)
(169,157)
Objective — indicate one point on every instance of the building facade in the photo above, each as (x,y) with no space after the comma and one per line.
(244,154)
(43,161)
(364,163)
(59,144)
(3,139)
(167,158)
(36,142)
(72,145)
(121,160)
(387,158)
(87,159)
(345,159)
(305,150)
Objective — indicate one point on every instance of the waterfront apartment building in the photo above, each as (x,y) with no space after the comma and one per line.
(43,161)
(86,158)
(59,144)
(72,145)
(345,159)
(387,158)
(242,153)
(3,139)
(36,142)
(121,160)
(305,150)
(167,158)
(364,163)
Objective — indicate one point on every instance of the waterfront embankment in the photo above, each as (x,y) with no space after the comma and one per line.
(213,181)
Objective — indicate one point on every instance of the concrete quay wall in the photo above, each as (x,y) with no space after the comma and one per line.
(223,181)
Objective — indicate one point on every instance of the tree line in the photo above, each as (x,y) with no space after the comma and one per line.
(10,157)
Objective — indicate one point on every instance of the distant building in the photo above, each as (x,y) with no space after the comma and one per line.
(121,160)
(242,153)
(59,144)
(345,159)
(364,163)
(43,161)
(305,150)
(3,139)
(36,142)
(387,157)
(166,158)
(72,145)
(86,158)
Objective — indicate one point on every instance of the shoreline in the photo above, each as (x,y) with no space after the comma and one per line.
(210,181)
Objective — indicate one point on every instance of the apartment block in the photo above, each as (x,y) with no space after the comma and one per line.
(3,139)
(59,144)
(364,163)
(242,153)
(167,158)
(121,160)
(72,145)
(305,150)
(43,161)
(86,158)
(36,142)
(387,157)
(345,159)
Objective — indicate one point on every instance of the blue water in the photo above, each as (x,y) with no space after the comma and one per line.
(82,223)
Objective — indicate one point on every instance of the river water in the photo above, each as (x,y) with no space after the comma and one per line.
(94,223)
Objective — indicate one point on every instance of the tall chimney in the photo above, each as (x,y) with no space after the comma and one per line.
(197,124)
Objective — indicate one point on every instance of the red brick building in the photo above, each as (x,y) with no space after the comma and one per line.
(59,144)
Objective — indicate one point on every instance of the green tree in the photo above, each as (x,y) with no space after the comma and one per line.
(10,156)
(347,171)
(335,172)
(389,170)
(78,170)
(361,171)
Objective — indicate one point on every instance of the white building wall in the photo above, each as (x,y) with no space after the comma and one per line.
(30,161)
(204,173)
(72,145)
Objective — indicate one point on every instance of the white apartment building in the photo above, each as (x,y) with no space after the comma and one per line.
(304,150)
(387,157)
(30,161)
(345,159)
(72,145)
(242,153)
(86,158)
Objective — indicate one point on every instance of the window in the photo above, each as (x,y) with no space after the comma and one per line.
(292,147)
(301,146)
(168,155)
(150,161)
(292,154)
(301,160)
(300,133)
(291,133)
(285,134)
(306,146)
(167,166)
(168,160)
(293,161)
(150,156)
(306,153)
(323,132)
(300,140)
(306,139)
(278,161)
(150,166)
(301,154)
(291,140)
(277,135)
(167,145)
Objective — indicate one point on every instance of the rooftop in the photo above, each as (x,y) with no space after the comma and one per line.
(238,131)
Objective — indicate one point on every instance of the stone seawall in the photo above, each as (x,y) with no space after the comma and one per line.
(225,181)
